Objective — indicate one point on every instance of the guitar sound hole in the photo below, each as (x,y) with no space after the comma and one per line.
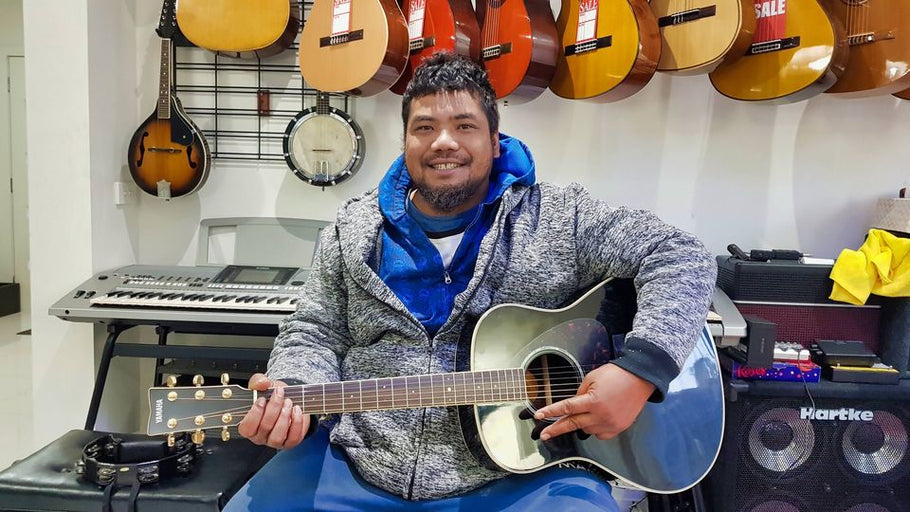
(551,377)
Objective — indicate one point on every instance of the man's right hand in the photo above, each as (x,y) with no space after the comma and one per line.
(275,422)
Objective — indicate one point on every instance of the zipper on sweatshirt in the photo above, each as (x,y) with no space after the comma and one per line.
(446,277)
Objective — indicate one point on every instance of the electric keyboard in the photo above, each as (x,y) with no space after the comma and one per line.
(235,294)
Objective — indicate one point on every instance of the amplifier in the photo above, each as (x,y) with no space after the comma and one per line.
(774,281)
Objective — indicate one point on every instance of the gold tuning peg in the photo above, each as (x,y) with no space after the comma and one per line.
(198,436)
(198,380)
(171,381)
(225,378)
(171,440)
(225,434)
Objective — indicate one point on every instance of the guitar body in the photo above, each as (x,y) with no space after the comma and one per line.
(239,28)
(451,25)
(366,61)
(625,57)
(681,435)
(904,95)
(169,157)
(880,65)
(519,44)
(812,54)
(696,36)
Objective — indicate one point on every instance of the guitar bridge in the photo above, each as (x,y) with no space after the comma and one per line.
(686,16)
(774,45)
(496,51)
(589,46)
(420,43)
(869,37)
(347,37)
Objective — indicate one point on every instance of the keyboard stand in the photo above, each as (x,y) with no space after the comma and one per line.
(162,350)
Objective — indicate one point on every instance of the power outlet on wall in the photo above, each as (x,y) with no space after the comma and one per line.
(123,194)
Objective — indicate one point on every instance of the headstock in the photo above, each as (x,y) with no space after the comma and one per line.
(194,409)
(167,25)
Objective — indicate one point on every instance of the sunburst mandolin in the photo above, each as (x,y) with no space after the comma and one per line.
(608,50)
(697,35)
(240,28)
(168,155)
(798,51)
(359,47)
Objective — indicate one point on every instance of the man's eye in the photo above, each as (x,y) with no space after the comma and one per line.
(423,128)
(466,126)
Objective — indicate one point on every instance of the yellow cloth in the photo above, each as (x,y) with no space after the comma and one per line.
(880,266)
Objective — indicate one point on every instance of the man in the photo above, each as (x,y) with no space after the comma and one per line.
(456,226)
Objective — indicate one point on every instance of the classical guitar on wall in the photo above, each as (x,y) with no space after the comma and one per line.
(359,47)
(697,35)
(240,28)
(798,51)
(520,358)
(609,49)
(878,32)
(168,155)
(438,25)
(519,44)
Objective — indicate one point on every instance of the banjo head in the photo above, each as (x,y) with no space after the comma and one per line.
(323,148)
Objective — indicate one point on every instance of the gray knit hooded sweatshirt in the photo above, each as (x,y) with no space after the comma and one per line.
(545,244)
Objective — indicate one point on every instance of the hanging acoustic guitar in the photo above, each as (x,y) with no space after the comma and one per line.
(168,156)
(240,28)
(323,145)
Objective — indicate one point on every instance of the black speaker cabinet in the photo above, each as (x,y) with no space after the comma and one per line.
(847,453)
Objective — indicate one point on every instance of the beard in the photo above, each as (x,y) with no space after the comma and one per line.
(448,197)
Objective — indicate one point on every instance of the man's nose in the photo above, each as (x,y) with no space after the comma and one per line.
(445,141)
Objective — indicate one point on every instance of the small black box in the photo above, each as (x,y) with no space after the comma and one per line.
(774,281)
(9,299)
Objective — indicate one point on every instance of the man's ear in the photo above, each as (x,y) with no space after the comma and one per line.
(495,140)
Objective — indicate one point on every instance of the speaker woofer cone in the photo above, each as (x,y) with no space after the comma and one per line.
(779,440)
(892,438)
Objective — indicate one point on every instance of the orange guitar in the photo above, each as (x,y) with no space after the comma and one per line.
(359,47)
(168,156)
(878,32)
(519,44)
(609,49)
(239,28)
(438,25)
(798,52)
(698,35)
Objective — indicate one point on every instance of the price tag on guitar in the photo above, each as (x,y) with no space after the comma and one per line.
(587,21)
(341,17)
(415,18)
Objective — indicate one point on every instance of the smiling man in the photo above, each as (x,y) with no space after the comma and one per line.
(459,225)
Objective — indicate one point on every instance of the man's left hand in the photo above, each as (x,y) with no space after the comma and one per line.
(608,401)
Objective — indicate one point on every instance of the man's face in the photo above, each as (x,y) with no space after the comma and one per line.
(449,152)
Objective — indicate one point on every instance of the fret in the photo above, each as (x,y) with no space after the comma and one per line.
(384,389)
(448,382)
(360,392)
(323,398)
(475,386)
(302,396)
(423,382)
(349,392)
(437,388)
(412,385)
(334,397)
(369,395)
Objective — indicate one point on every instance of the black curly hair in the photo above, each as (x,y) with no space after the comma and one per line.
(446,71)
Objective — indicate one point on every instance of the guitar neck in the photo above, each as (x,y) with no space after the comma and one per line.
(436,390)
(164,80)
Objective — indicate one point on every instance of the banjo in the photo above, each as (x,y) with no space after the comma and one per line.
(323,145)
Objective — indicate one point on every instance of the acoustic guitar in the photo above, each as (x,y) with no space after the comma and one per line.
(519,44)
(438,25)
(168,155)
(609,49)
(697,35)
(358,47)
(798,51)
(240,28)
(520,358)
(878,32)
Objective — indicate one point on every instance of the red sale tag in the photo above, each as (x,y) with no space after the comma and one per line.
(587,21)
(341,17)
(416,10)
(771,20)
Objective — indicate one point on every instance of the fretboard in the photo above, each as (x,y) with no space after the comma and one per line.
(437,390)
(164,81)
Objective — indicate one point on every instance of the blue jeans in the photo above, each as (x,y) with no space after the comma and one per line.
(316,475)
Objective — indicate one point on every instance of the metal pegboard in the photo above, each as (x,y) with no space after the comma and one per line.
(243,106)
